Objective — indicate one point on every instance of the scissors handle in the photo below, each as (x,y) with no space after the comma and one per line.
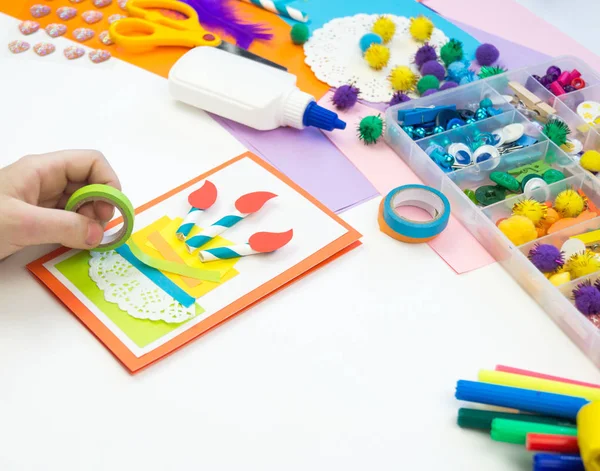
(139,35)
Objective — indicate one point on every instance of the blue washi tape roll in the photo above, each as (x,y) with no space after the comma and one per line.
(419,196)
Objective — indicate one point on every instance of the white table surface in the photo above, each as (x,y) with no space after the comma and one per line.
(352,368)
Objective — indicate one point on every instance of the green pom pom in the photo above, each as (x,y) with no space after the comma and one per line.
(487,71)
(557,131)
(427,83)
(300,33)
(370,129)
(452,51)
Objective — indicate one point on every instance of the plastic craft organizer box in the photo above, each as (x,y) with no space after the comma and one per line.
(480,221)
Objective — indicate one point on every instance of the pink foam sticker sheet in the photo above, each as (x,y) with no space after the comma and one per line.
(516,23)
(386,170)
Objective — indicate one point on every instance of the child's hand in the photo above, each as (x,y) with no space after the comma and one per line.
(34,192)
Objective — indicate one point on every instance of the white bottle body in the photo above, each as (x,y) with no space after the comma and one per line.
(237,88)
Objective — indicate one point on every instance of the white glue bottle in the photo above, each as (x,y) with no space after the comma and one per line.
(246,91)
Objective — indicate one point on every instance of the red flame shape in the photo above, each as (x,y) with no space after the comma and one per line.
(252,202)
(266,242)
(204,197)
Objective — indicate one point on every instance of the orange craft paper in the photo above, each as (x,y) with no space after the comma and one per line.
(280,49)
(343,244)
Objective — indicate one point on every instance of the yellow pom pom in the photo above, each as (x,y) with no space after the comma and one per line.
(377,56)
(560,278)
(569,204)
(402,78)
(582,264)
(421,28)
(384,27)
(531,209)
(518,229)
(590,160)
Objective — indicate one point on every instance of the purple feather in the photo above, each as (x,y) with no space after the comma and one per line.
(220,15)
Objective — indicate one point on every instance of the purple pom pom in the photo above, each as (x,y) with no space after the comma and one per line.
(424,54)
(587,298)
(553,70)
(398,98)
(433,68)
(487,54)
(448,85)
(546,257)
(431,91)
(345,97)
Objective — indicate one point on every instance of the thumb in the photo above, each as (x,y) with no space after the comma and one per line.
(56,226)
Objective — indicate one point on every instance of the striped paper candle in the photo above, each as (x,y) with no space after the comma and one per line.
(261,242)
(279,7)
(200,200)
(245,205)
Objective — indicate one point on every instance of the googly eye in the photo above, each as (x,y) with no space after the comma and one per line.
(486,157)
(498,136)
(513,132)
(461,153)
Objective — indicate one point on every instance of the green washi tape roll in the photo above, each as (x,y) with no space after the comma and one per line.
(108,194)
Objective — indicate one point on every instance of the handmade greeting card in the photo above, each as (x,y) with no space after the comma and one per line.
(197,256)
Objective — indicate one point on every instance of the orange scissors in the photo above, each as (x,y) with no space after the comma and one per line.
(148,28)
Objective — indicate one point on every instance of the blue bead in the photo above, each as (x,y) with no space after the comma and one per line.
(368,39)
(480,114)
(471,121)
(485,103)
(420,133)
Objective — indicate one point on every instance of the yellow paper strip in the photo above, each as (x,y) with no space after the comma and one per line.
(169,254)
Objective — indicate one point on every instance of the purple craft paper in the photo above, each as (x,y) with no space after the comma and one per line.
(310,160)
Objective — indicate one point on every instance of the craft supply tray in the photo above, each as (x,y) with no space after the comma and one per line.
(480,221)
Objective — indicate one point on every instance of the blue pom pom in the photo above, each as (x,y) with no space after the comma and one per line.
(368,39)
(468,78)
(457,70)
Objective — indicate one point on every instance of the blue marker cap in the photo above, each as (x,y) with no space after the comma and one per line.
(548,462)
(322,118)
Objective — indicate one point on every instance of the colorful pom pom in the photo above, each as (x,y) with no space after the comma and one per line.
(427,82)
(587,298)
(518,229)
(468,78)
(370,129)
(402,78)
(451,52)
(434,68)
(398,98)
(487,54)
(569,204)
(421,28)
(377,56)
(345,97)
(488,71)
(431,91)
(457,70)
(424,54)
(546,258)
(557,131)
(590,160)
(385,27)
(531,209)
(448,85)
(582,264)
(368,39)
(299,33)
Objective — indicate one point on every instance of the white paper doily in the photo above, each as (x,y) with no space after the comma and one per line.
(126,286)
(334,54)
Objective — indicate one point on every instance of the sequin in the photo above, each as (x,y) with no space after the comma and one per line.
(117,17)
(122,4)
(17,47)
(74,52)
(99,56)
(102,3)
(105,39)
(83,34)
(43,49)
(92,16)
(66,13)
(29,27)
(39,11)
(55,30)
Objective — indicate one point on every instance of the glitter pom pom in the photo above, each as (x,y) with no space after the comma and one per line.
(424,54)
(39,11)
(402,78)
(83,34)
(102,3)
(377,56)
(582,264)
(421,28)
(385,28)
(370,129)
(345,97)
(17,47)
(92,16)
(44,49)
(557,131)
(569,204)
(452,52)
(66,13)
(105,38)
(457,70)
(99,56)
(531,209)
(587,298)
(116,17)
(488,71)
(74,52)
(54,30)
(468,78)
(546,258)
(29,27)
(398,98)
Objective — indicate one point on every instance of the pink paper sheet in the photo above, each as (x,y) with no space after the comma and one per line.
(514,22)
(386,170)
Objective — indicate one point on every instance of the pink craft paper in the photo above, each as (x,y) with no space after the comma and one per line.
(386,170)
(512,21)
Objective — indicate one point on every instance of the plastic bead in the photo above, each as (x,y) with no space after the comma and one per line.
(578,83)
